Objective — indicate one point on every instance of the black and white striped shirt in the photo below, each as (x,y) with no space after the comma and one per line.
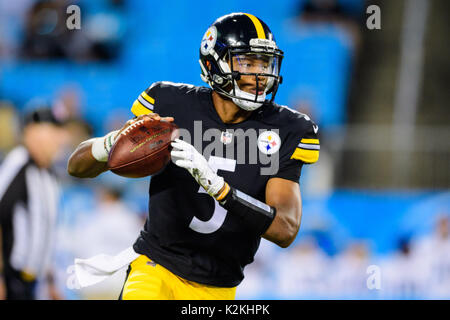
(29,198)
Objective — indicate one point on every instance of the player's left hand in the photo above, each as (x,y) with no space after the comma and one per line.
(186,156)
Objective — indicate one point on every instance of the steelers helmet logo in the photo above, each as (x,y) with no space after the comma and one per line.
(208,41)
(269,142)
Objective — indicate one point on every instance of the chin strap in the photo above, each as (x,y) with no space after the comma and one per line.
(246,104)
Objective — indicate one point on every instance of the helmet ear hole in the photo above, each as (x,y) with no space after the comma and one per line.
(217,79)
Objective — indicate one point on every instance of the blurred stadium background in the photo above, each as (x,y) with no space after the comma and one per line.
(379,195)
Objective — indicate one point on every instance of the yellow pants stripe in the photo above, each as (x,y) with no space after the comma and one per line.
(149,281)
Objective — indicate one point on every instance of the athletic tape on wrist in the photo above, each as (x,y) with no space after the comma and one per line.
(224,193)
(217,183)
(101,146)
(110,139)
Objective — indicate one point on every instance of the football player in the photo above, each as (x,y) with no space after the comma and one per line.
(207,213)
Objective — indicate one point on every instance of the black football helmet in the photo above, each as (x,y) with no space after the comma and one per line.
(236,45)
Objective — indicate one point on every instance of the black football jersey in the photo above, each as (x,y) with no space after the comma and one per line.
(187,231)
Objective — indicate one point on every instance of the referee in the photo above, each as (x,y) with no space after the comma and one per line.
(28,207)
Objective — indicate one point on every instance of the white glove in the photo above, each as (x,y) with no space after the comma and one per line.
(186,156)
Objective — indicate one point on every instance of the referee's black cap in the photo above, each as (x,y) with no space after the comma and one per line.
(41,115)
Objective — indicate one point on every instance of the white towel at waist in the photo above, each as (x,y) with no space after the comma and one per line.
(96,269)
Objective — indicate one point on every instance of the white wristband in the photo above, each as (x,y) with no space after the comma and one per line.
(101,146)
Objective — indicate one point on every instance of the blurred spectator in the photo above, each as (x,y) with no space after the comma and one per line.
(326,10)
(303,271)
(434,250)
(104,28)
(349,272)
(9,128)
(259,280)
(402,273)
(29,198)
(322,38)
(329,11)
(68,102)
(77,130)
(46,34)
(48,37)
(110,226)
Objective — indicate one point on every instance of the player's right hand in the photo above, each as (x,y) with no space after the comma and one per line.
(186,156)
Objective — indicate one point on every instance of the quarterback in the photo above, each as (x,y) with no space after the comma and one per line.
(207,212)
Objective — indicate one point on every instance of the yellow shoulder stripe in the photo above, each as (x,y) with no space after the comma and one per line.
(147,97)
(139,109)
(259,28)
(307,156)
(313,141)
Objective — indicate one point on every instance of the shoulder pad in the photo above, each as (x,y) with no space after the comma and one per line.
(303,133)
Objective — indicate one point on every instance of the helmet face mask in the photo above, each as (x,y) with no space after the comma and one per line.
(238,64)
(257,73)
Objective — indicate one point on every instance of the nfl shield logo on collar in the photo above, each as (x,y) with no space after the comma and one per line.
(226,137)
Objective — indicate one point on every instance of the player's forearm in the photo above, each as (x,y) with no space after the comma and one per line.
(82,163)
(284,196)
(284,227)
(257,215)
(277,221)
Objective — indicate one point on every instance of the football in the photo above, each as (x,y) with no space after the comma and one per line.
(142,149)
